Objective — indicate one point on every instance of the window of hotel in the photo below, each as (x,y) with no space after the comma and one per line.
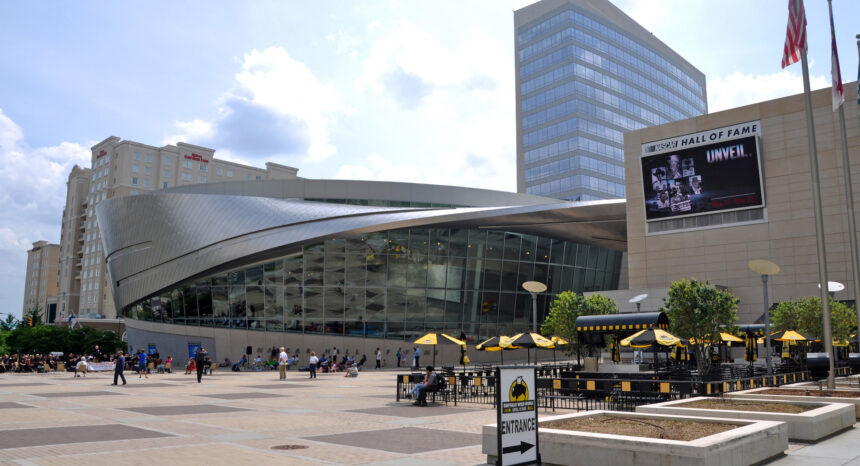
(229,173)
(201,179)
(137,156)
(164,185)
(145,183)
(135,169)
(147,171)
(94,176)
(133,192)
(203,167)
(165,173)
(258,177)
(148,158)
(186,177)
(248,176)
(187,164)
(220,172)
(134,180)
(167,160)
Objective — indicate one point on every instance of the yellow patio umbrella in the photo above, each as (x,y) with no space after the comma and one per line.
(495,344)
(530,340)
(787,335)
(650,337)
(439,339)
(559,341)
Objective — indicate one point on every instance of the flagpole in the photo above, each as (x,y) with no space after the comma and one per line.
(819,222)
(846,168)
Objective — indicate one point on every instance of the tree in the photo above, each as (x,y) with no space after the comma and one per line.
(45,339)
(804,316)
(699,311)
(10,323)
(564,310)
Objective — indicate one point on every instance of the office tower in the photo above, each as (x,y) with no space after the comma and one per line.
(585,74)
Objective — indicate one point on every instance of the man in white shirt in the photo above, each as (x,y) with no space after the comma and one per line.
(282,364)
(378,358)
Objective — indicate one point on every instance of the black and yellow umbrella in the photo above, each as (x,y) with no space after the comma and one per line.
(495,344)
(559,341)
(650,337)
(439,339)
(788,335)
(529,340)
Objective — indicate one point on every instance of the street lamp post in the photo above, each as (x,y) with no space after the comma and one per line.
(765,268)
(534,288)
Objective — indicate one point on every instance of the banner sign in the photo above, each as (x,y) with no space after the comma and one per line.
(100,366)
(702,173)
(516,414)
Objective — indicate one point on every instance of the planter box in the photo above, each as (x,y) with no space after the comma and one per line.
(813,398)
(750,443)
(824,420)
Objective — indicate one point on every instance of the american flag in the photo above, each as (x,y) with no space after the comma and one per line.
(836,89)
(795,35)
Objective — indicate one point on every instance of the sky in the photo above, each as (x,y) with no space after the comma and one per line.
(392,90)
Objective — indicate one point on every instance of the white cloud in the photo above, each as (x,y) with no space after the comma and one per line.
(373,25)
(344,44)
(455,117)
(739,89)
(33,194)
(279,111)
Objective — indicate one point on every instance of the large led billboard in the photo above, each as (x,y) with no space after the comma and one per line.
(692,176)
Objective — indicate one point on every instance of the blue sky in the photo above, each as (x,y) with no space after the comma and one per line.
(392,90)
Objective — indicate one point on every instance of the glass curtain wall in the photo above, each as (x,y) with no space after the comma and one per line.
(397,285)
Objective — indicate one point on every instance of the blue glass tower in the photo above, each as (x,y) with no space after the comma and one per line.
(586,73)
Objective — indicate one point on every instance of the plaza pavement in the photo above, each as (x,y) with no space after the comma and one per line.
(238,418)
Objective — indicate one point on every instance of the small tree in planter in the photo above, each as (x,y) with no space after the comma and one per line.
(699,311)
(564,310)
(804,316)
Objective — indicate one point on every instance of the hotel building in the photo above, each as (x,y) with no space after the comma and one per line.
(127,168)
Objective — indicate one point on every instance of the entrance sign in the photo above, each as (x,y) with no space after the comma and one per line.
(516,415)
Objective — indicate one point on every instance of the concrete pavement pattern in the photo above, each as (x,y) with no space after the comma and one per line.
(252,418)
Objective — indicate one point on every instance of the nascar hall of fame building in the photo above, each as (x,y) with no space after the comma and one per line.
(316,264)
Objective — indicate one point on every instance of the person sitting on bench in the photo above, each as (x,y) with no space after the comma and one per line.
(431,385)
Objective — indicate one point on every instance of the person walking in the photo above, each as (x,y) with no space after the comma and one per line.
(399,355)
(200,360)
(141,364)
(416,353)
(378,358)
(282,364)
(119,365)
(312,365)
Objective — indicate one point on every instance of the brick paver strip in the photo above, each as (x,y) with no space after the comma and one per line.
(6,405)
(184,409)
(241,396)
(148,385)
(19,438)
(69,394)
(22,384)
(276,386)
(406,440)
(407,410)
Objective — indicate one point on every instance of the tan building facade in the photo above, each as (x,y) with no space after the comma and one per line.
(717,245)
(40,286)
(123,168)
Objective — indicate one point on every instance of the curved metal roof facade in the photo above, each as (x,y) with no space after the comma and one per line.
(158,239)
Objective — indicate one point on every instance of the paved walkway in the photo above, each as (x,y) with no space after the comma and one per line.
(252,418)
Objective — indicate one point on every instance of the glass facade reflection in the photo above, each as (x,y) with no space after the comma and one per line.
(583,82)
(397,285)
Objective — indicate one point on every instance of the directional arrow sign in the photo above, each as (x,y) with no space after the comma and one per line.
(521,448)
